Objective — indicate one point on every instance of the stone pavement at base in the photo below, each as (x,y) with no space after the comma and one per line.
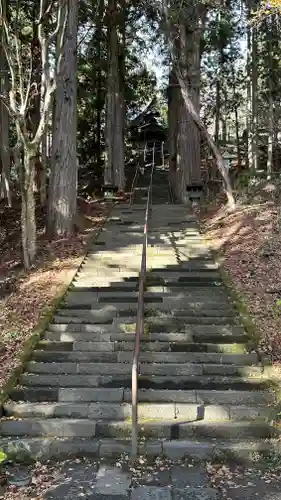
(104,482)
(165,481)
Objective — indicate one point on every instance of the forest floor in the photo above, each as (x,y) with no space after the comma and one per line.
(24,295)
(249,243)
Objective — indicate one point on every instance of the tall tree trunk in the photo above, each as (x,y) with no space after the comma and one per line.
(114,161)
(218,80)
(63,179)
(189,138)
(174,95)
(218,110)
(254,138)
(270,98)
(238,148)
(122,69)
(43,173)
(5,191)
(100,95)
(28,222)
(249,159)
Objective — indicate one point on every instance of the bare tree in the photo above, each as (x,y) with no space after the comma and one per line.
(19,101)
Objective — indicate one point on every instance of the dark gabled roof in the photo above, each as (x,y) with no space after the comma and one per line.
(148,116)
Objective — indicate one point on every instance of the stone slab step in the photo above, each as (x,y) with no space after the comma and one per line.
(161,291)
(98,318)
(108,296)
(88,301)
(181,333)
(88,428)
(128,289)
(112,368)
(67,394)
(211,382)
(122,287)
(44,449)
(185,274)
(176,320)
(180,429)
(77,301)
(93,394)
(122,411)
(191,357)
(69,333)
(169,308)
(131,283)
(170,358)
(147,345)
(169,263)
(214,397)
(167,493)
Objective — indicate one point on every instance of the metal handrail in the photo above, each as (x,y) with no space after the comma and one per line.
(133,184)
(140,320)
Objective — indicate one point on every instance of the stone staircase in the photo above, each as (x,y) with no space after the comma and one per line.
(202,393)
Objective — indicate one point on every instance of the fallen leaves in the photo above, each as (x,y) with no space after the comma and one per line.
(23,295)
(251,248)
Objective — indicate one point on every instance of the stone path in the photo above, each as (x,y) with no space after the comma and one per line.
(100,482)
(203,394)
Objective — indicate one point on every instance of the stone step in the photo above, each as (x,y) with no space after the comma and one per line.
(163,323)
(88,428)
(112,368)
(170,358)
(241,451)
(129,288)
(177,341)
(153,294)
(181,333)
(180,429)
(168,308)
(203,396)
(79,300)
(154,250)
(122,411)
(193,492)
(67,394)
(208,382)
(125,282)
(147,345)
(93,300)
(191,357)
(94,394)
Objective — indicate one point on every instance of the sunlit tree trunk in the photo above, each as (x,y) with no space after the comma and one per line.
(270,98)
(189,138)
(100,94)
(63,179)
(114,160)
(254,135)
(5,191)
